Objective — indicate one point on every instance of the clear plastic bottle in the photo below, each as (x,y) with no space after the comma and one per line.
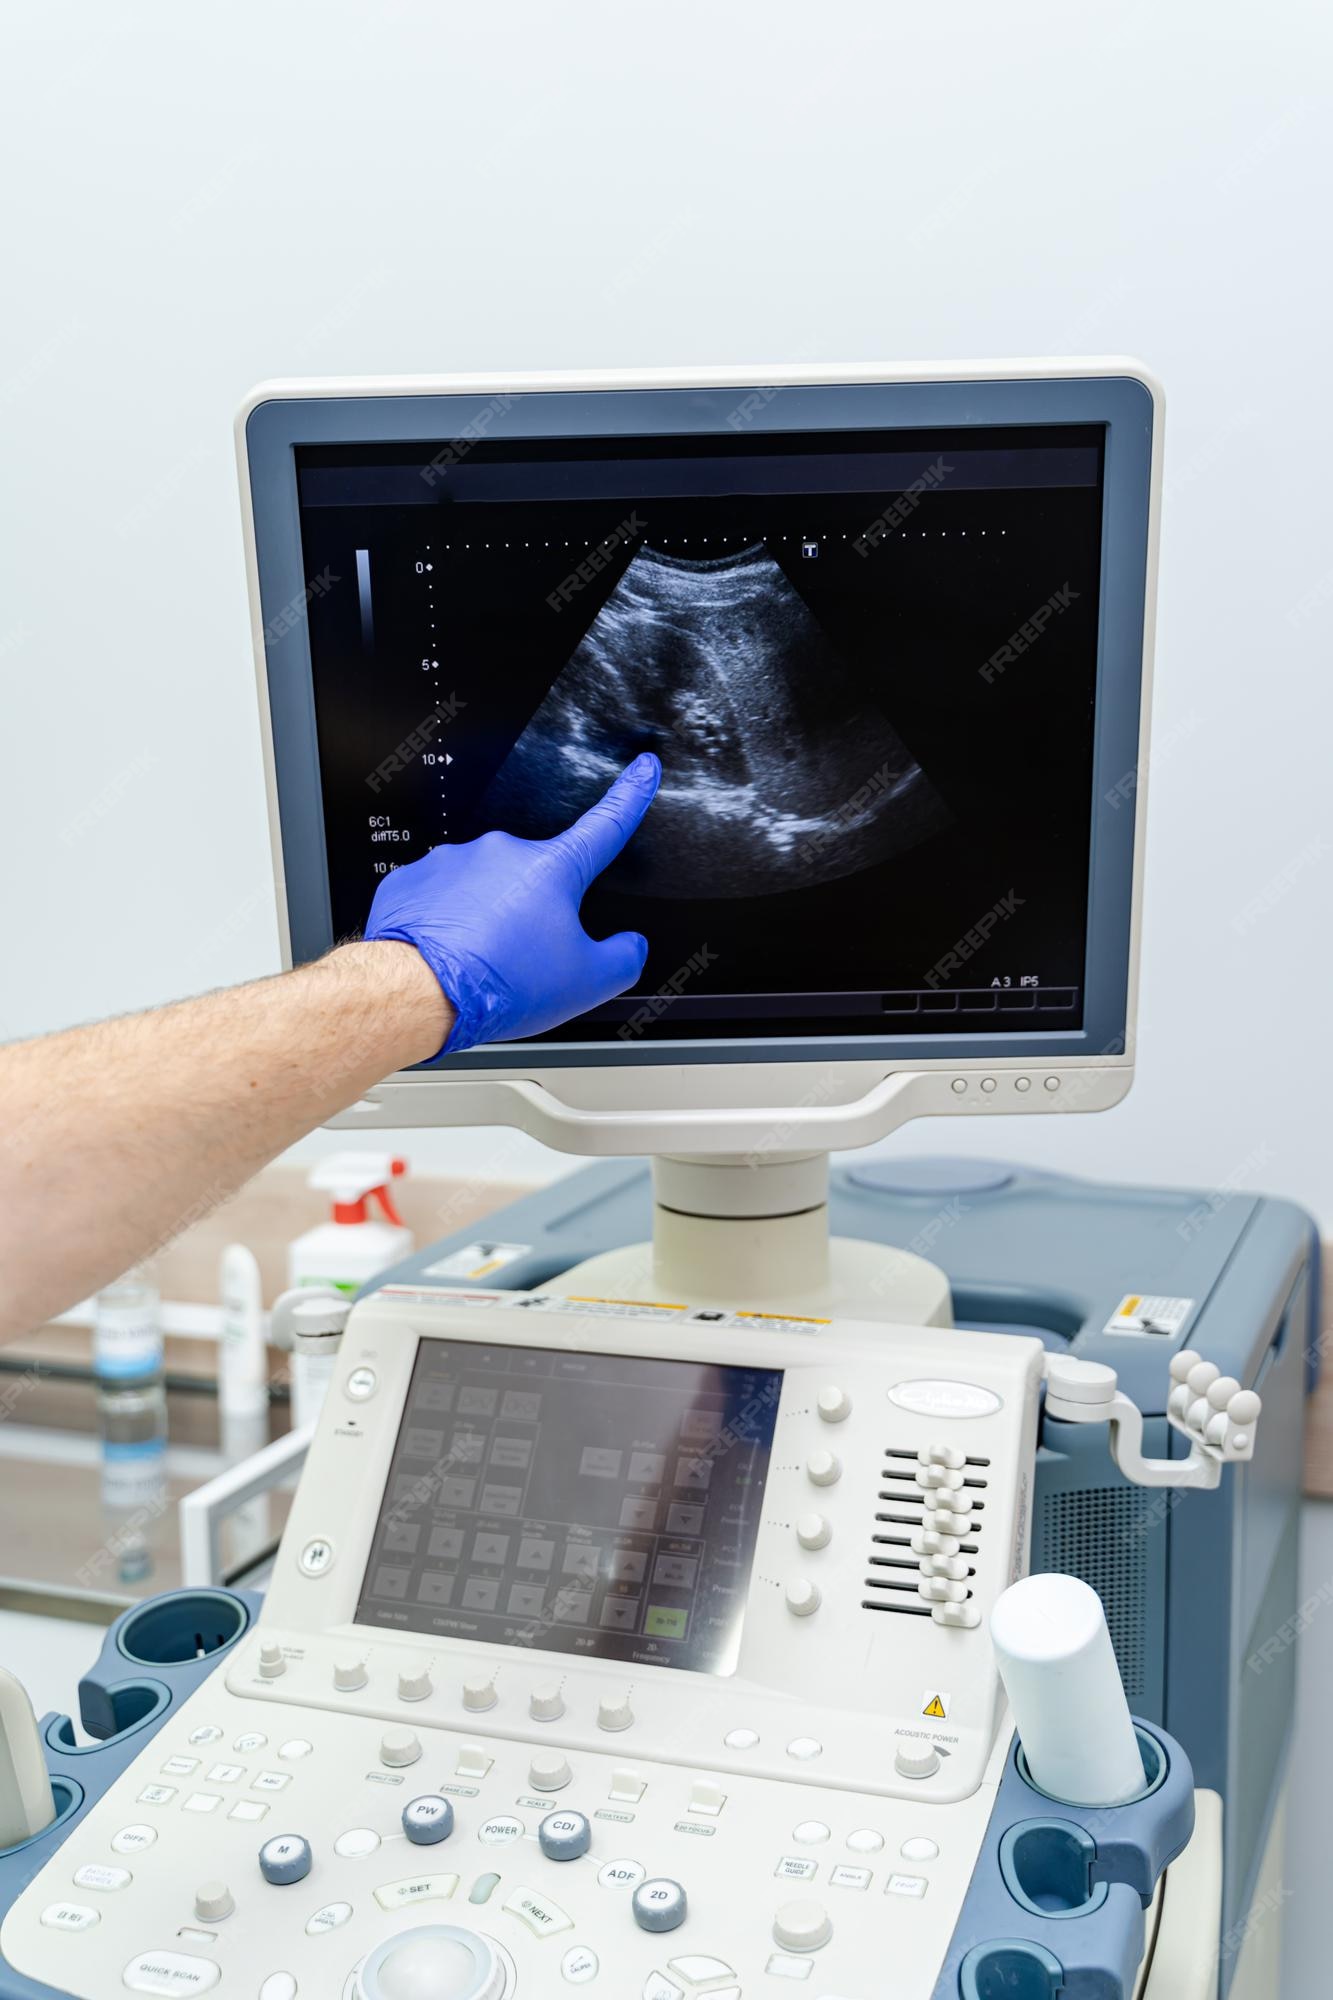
(132,1415)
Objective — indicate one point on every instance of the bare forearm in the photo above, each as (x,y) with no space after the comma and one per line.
(113,1138)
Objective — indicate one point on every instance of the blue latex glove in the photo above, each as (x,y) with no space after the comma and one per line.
(497,919)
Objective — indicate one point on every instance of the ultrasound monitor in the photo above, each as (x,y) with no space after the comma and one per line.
(889,635)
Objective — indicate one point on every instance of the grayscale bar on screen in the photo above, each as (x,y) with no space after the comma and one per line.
(363,596)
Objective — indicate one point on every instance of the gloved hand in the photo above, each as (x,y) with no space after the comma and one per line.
(497,919)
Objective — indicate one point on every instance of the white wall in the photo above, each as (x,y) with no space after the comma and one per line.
(197,199)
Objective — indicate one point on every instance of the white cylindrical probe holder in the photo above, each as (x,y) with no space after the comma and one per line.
(1060,1674)
(26,1802)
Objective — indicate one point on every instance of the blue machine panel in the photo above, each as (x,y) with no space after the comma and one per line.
(1056,1906)
(154,1655)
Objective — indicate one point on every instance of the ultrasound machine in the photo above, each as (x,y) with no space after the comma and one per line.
(733,1576)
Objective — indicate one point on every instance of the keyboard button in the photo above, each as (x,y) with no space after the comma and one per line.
(70,1916)
(542,1917)
(416,1889)
(101,1875)
(170,1972)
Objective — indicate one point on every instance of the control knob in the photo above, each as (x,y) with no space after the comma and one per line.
(415,1683)
(564,1836)
(349,1673)
(428,1820)
(548,1771)
(286,1858)
(546,1703)
(212,1902)
(399,1746)
(916,1759)
(834,1405)
(824,1468)
(659,1904)
(814,1531)
(480,1693)
(802,1926)
(803,1597)
(271,1661)
(614,1712)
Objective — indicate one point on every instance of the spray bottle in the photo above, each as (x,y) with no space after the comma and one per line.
(347,1251)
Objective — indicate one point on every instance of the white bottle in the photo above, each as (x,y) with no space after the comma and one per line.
(242,1353)
(345,1252)
(243,1388)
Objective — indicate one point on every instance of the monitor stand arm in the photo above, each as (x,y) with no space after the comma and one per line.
(751,1233)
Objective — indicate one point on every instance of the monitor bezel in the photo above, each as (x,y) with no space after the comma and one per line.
(1117,394)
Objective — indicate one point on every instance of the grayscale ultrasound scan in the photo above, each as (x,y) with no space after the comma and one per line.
(874,813)
(776,773)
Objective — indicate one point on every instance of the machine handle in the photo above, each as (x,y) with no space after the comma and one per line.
(819,1124)
(203,1512)
(743,1129)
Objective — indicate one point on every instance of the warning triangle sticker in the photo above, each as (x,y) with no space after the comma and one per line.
(934,1707)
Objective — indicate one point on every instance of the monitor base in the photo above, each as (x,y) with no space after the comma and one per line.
(753,1235)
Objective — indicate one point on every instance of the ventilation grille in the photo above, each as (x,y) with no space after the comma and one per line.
(902,1562)
(1096,1533)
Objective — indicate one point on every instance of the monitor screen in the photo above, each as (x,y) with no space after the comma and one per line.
(867,661)
(601,1504)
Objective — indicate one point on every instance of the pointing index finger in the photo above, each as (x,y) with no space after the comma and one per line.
(598,837)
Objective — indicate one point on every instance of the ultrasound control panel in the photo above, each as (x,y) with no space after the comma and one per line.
(610,1646)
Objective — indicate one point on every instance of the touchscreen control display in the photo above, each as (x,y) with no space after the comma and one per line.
(580,1503)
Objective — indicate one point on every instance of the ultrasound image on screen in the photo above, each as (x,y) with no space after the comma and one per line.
(868,663)
(720,666)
